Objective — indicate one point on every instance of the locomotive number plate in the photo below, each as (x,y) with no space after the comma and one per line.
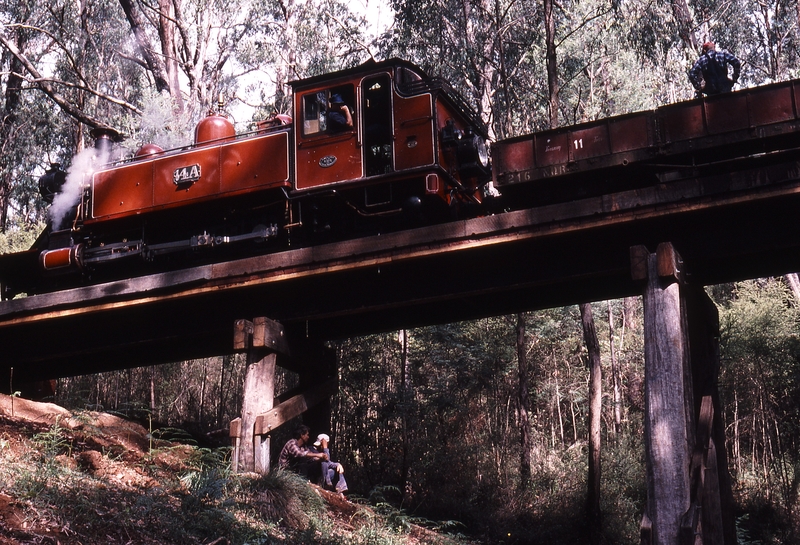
(186,174)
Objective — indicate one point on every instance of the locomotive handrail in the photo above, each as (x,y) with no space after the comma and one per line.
(189,147)
(327,139)
(415,120)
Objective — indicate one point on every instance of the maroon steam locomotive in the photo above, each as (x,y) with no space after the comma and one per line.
(378,147)
(407,151)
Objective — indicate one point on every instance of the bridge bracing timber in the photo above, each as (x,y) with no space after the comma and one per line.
(664,239)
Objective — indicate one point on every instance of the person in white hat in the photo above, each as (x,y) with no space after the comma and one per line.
(332,472)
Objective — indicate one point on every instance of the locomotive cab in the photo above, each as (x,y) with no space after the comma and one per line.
(382,140)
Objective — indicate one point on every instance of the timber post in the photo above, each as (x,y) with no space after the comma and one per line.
(689,496)
(318,373)
(715,497)
(262,339)
(666,361)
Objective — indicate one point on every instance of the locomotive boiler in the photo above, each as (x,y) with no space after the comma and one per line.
(378,147)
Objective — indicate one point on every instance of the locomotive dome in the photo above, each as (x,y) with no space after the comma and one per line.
(149,149)
(213,127)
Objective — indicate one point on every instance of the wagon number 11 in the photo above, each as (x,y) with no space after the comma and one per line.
(578,143)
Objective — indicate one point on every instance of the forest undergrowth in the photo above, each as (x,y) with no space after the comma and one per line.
(78,478)
(82,477)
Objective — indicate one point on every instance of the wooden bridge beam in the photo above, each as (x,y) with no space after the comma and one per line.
(263,339)
(716,500)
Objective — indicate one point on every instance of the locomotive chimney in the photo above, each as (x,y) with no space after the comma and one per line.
(104,138)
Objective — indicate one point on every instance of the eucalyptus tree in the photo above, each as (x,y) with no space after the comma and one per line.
(760,386)
(764,35)
(186,49)
(59,74)
(299,39)
(482,47)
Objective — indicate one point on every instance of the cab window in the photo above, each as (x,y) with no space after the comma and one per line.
(329,111)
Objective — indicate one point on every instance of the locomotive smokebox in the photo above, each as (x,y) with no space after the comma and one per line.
(104,138)
(51,182)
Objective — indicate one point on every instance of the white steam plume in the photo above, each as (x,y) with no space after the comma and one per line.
(83,164)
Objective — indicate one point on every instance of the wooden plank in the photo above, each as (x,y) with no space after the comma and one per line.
(270,334)
(646,530)
(705,422)
(639,262)
(236,428)
(712,524)
(294,406)
(670,264)
(235,434)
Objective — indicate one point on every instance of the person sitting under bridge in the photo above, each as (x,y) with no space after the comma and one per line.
(296,457)
(332,472)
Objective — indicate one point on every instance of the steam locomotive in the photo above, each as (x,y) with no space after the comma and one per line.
(378,147)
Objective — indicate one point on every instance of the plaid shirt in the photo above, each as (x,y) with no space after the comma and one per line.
(712,67)
(291,453)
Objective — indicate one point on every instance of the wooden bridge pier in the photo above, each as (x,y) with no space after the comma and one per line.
(689,495)
(267,344)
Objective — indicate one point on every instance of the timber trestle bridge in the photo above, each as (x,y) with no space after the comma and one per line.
(664,239)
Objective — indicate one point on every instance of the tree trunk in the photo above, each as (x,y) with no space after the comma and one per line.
(736,437)
(14,84)
(224,360)
(166,33)
(595,412)
(153,391)
(552,64)
(405,399)
(614,373)
(794,284)
(154,63)
(523,401)
(203,379)
(558,407)
(683,17)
